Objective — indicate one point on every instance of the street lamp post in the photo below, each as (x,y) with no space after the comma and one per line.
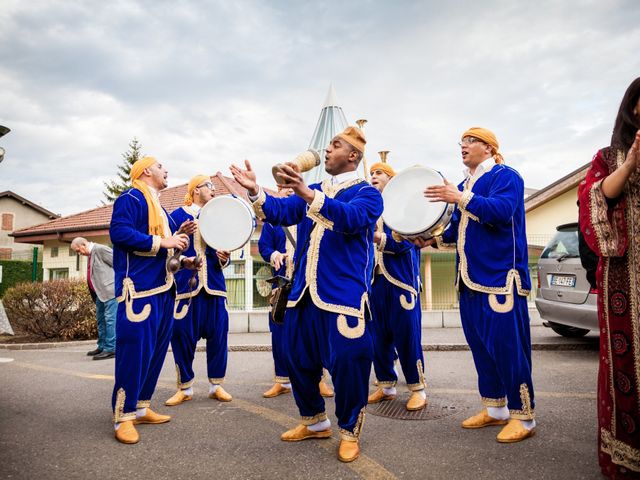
(3,131)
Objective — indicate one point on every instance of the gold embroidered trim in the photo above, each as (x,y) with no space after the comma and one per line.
(118,412)
(216,381)
(257,205)
(407,305)
(423,382)
(155,248)
(129,289)
(498,307)
(444,246)
(621,453)
(527,412)
(350,332)
(494,402)
(357,430)
(183,311)
(143,404)
(179,383)
(467,195)
(394,281)
(606,234)
(386,384)
(396,236)
(314,211)
(320,417)
(277,379)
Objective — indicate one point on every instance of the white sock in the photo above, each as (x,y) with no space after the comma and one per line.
(389,391)
(528,424)
(422,393)
(320,426)
(286,385)
(116,425)
(499,413)
(188,391)
(141,412)
(213,387)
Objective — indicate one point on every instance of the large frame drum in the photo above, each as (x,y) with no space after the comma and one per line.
(226,222)
(407,211)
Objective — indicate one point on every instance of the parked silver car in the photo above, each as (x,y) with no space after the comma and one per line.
(565,297)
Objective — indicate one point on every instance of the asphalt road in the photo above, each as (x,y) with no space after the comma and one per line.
(55,422)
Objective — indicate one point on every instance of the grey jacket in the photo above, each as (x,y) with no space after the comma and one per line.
(102,275)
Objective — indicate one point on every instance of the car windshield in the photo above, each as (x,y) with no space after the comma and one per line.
(563,245)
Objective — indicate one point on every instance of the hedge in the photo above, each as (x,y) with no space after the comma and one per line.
(17,271)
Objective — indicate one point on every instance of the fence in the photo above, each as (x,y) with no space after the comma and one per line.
(23,266)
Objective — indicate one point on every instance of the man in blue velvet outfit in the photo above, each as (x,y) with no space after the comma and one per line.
(326,319)
(488,232)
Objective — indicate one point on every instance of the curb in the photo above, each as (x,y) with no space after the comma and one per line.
(441,347)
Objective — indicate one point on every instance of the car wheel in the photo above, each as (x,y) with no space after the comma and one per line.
(570,332)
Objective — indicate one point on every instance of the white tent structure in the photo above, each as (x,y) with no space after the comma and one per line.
(332,121)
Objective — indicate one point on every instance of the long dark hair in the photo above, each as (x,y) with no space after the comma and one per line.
(627,123)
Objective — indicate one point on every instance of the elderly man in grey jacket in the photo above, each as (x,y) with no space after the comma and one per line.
(100,277)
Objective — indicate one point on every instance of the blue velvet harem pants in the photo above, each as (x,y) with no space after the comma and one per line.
(141,347)
(500,342)
(315,339)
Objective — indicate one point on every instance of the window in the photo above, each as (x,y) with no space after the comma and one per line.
(58,273)
(7,221)
(72,252)
(5,254)
(54,252)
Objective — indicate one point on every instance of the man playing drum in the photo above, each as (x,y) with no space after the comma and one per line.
(395,309)
(200,306)
(141,235)
(488,231)
(325,324)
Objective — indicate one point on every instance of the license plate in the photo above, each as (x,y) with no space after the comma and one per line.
(563,280)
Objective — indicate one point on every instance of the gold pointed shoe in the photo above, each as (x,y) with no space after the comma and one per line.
(178,398)
(301,432)
(152,418)
(416,402)
(348,451)
(127,433)
(276,390)
(221,395)
(514,432)
(379,396)
(482,419)
(325,390)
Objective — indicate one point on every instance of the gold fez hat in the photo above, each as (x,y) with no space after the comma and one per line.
(355,137)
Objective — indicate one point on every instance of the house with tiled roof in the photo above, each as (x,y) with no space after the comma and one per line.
(16,212)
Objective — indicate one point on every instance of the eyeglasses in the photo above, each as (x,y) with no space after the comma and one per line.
(469,141)
(209,185)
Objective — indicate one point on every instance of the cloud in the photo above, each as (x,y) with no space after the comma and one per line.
(203,84)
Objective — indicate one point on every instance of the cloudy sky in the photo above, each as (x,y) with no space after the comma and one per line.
(202,84)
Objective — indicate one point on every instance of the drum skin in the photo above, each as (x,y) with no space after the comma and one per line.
(407,211)
(226,222)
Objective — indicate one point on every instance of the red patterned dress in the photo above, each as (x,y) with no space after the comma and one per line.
(612,230)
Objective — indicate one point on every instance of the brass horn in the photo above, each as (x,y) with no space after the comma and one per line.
(360,124)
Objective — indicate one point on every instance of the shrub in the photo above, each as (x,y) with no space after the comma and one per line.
(55,309)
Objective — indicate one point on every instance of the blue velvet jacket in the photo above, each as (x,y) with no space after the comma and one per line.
(138,261)
(398,263)
(210,277)
(272,239)
(488,230)
(337,266)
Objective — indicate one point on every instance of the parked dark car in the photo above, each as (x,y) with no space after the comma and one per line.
(566,299)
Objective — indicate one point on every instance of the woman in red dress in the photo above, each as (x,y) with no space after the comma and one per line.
(610,222)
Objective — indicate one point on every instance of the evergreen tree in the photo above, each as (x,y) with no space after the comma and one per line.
(115,187)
